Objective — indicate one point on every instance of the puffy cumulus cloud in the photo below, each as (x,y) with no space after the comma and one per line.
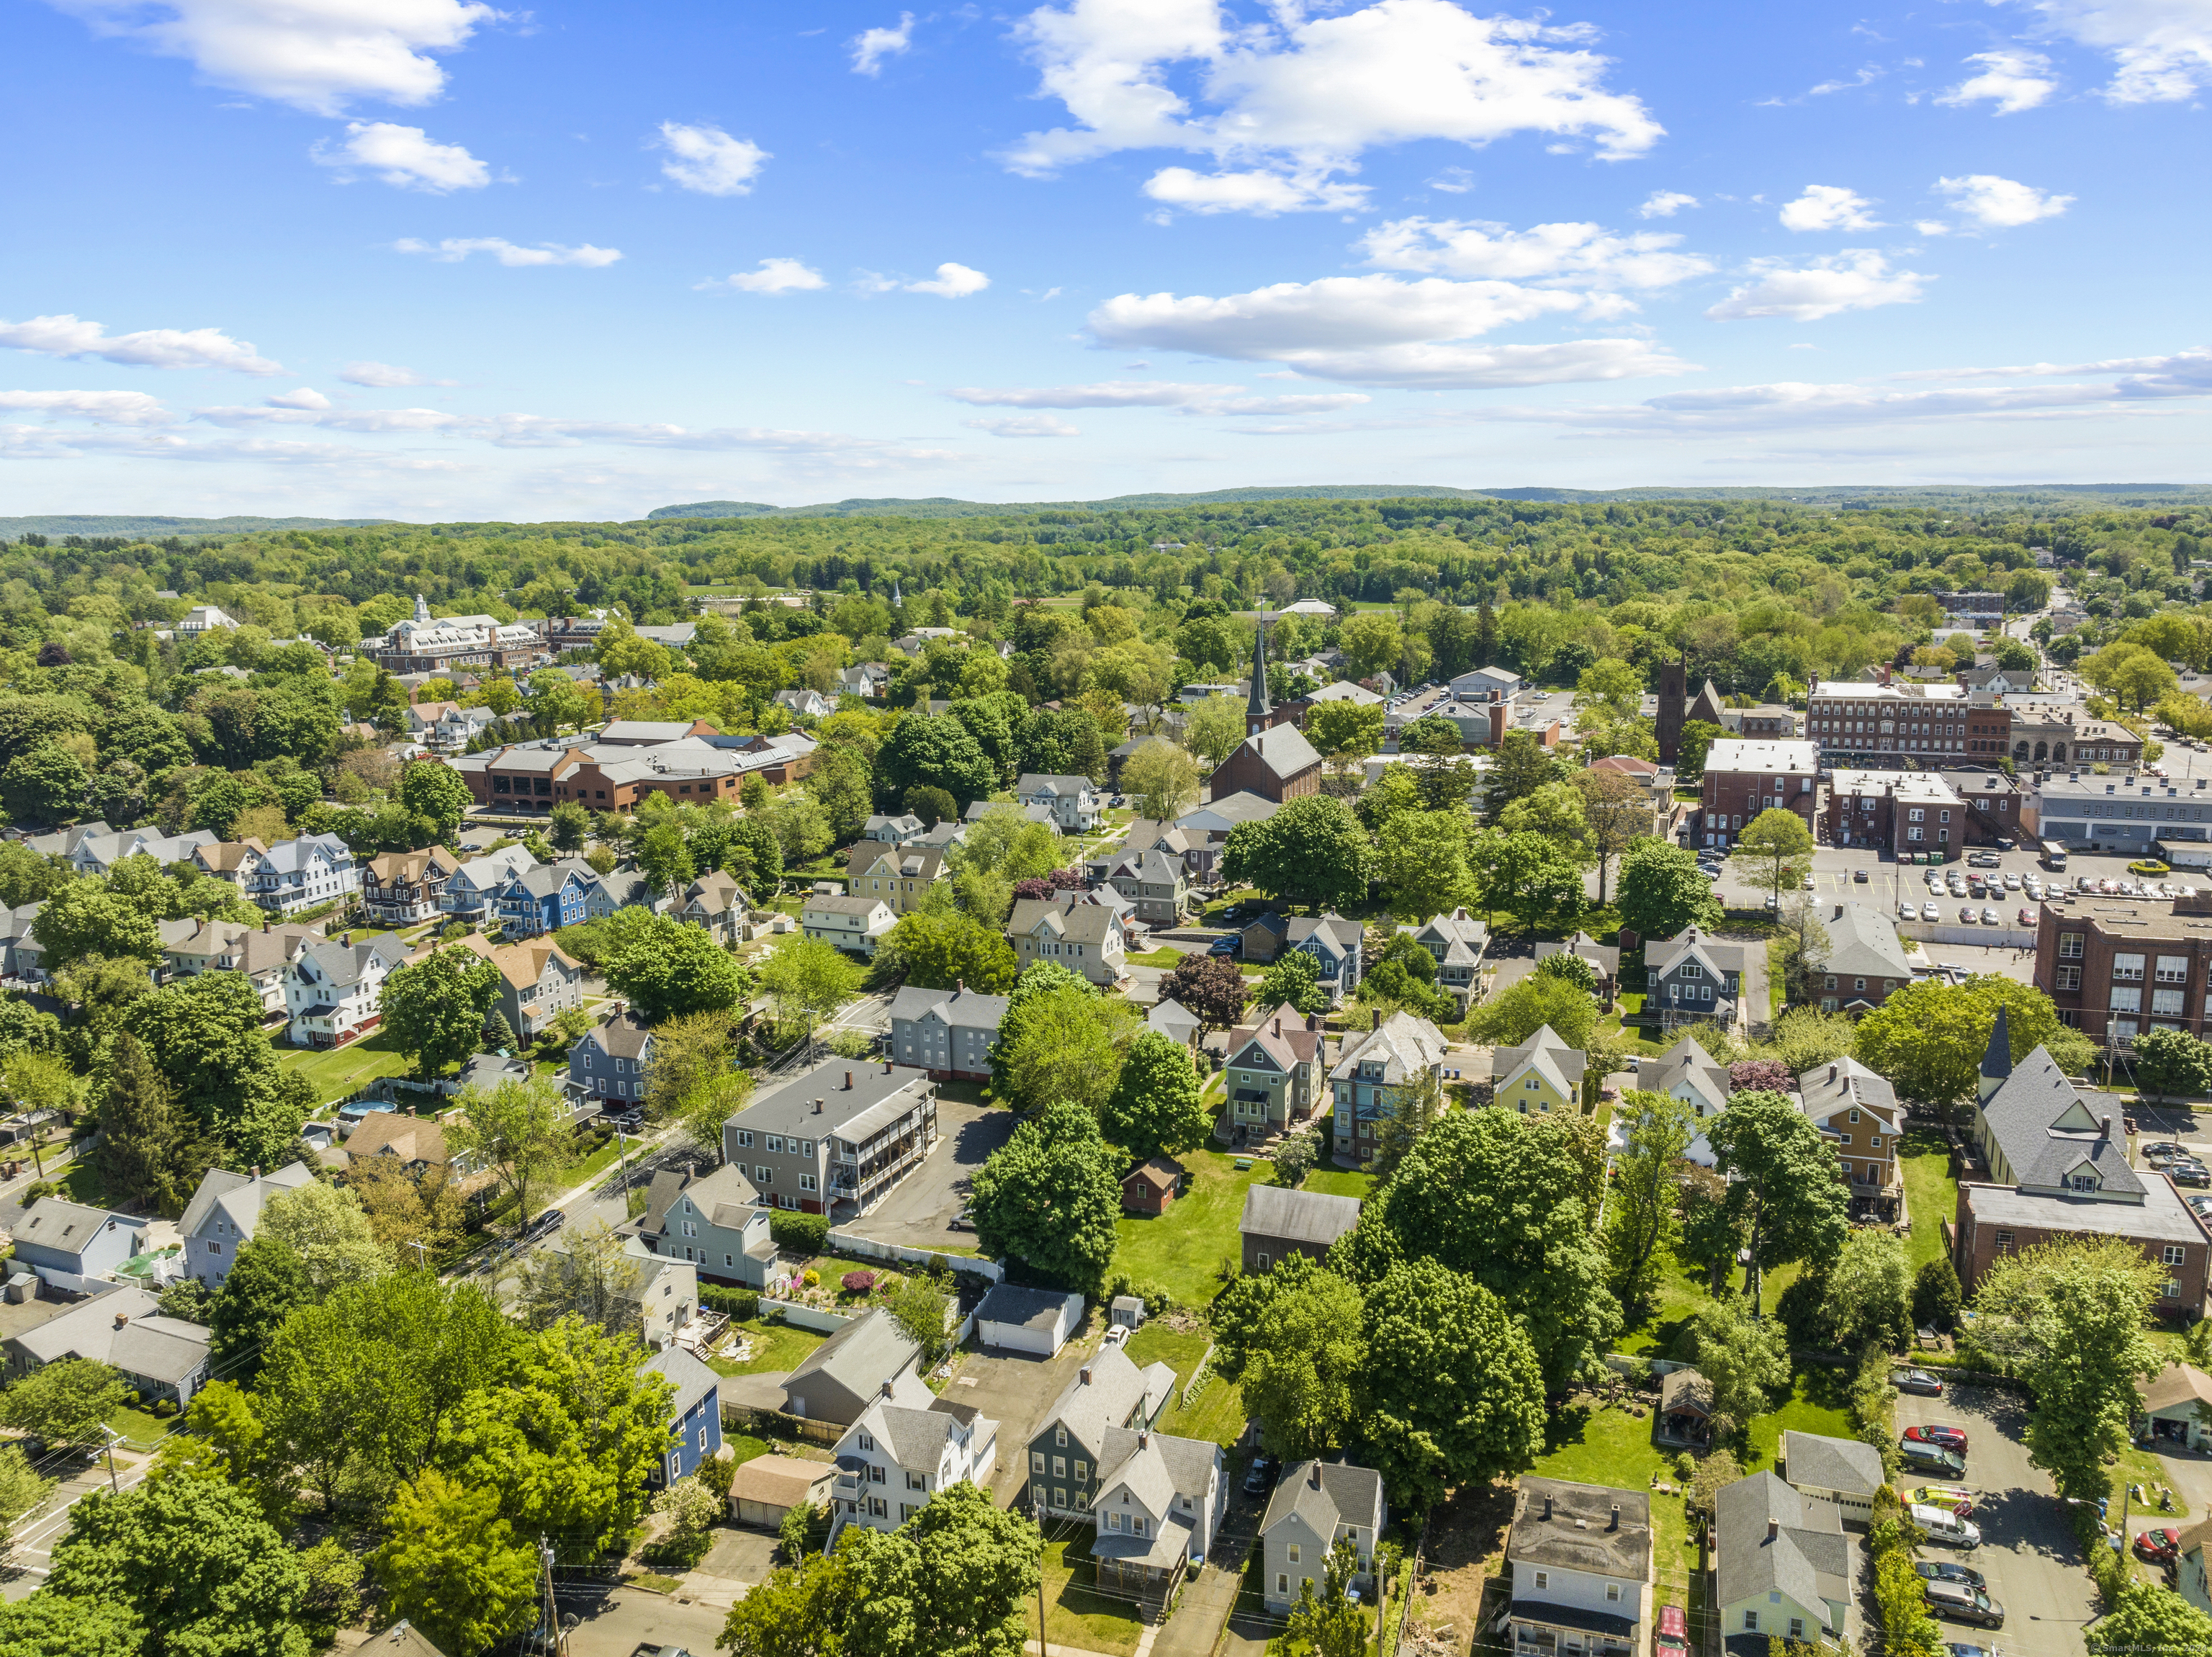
(1260,192)
(454,249)
(1564,255)
(2000,204)
(405,157)
(2012,80)
(150,348)
(871,46)
(1024,425)
(316,55)
(709,161)
(1304,96)
(1829,207)
(306,398)
(1376,330)
(385,375)
(952,281)
(1664,204)
(114,408)
(775,276)
(2161,49)
(1191,398)
(1857,279)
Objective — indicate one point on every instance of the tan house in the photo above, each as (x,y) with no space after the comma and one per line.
(900,875)
(1276,1070)
(232,860)
(415,1142)
(1086,938)
(399,888)
(1857,1112)
(716,903)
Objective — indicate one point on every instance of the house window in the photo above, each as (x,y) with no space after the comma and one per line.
(2172,1254)
(917,1482)
(1037,1461)
(1543,1578)
(875,1475)
(1059,1466)
(1294,1560)
(1796,1628)
(1751,1622)
(1282,1583)
(1613,1594)
(1060,1437)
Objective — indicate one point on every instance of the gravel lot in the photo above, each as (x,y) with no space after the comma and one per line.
(2027,1552)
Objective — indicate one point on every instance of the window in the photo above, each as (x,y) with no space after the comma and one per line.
(806,1182)
(745,1139)
(763,1176)
(1059,1438)
(1114,1523)
(1796,1628)
(866,1443)
(2069,977)
(2004,1241)
(1543,1578)
(2070,945)
(1294,1560)
(2172,1254)
(2173,968)
(875,1475)
(2167,1001)
(2126,1000)
(1613,1594)
(1037,1461)
(1282,1583)
(1751,1622)
(917,1482)
(1059,1466)
(2128,968)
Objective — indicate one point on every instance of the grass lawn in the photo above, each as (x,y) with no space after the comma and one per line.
(340,1072)
(1075,1614)
(1931,1194)
(1328,1177)
(1163,956)
(1682,1291)
(81,1183)
(743,1446)
(1182,1249)
(1217,1414)
(141,1429)
(776,1347)
(1816,1405)
(590,1167)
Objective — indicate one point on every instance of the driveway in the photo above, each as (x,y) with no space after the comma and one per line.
(919,1211)
(2028,1552)
(615,1624)
(1015,1392)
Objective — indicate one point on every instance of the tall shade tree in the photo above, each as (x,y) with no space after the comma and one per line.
(149,1151)
(2148,1619)
(809,979)
(516,1132)
(1783,1189)
(1451,1392)
(1208,986)
(938,952)
(65,1402)
(1066,1047)
(1775,849)
(2070,1319)
(668,969)
(450,1565)
(1531,876)
(1617,810)
(324,1225)
(1312,851)
(1214,729)
(1663,891)
(1928,1039)
(1745,1360)
(1641,1219)
(1051,1194)
(1293,1340)
(1870,1297)
(434,1010)
(1421,858)
(1511,1017)
(1156,1105)
(1160,780)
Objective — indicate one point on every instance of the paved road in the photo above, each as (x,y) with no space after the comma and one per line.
(31,1555)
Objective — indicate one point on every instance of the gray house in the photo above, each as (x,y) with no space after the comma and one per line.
(714,1220)
(1278,1222)
(613,1060)
(1457,943)
(1693,979)
(165,1357)
(1075,802)
(222,1216)
(1846,1471)
(1157,883)
(870,1358)
(947,1033)
(1317,1502)
(838,1136)
(73,1247)
(1334,944)
(467,896)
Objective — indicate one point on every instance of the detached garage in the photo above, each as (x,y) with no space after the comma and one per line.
(1037,1320)
(767,1487)
(2171,1401)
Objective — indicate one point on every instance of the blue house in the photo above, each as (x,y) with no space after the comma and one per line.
(1333,942)
(545,899)
(694,1414)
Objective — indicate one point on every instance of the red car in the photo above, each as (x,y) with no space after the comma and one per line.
(1948,1438)
(1672,1637)
(2160,1545)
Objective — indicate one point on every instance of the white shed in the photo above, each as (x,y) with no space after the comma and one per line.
(1037,1320)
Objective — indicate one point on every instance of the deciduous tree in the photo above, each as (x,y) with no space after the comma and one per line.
(1511,1017)
(937,951)
(1155,1106)
(1775,849)
(1293,1340)
(1208,986)
(434,1010)
(670,969)
(1783,1188)
(1051,1195)
(1641,1220)
(1421,858)
(516,1132)
(1313,850)
(65,1402)
(1928,1037)
(809,979)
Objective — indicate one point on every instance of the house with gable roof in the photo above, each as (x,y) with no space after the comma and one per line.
(2058,1167)
(399,888)
(122,1327)
(715,1221)
(295,875)
(1316,1505)
(1782,1568)
(99,851)
(896,1457)
(1275,1069)
(870,1359)
(331,989)
(1157,883)
(1688,1072)
(1857,1112)
(467,894)
(223,1214)
(230,860)
(1603,960)
(1457,943)
(694,1414)
(614,1060)
(716,903)
(900,875)
(1864,963)
(606,895)
(544,899)
(1373,1072)
(1542,1074)
(1087,938)
(1846,1471)
(73,1247)
(1278,1222)
(857,925)
(538,979)
(947,1033)
(1693,979)
(1075,803)
(1175,1021)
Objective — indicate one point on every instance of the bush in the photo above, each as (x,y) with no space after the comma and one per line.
(718,1473)
(858,1282)
(801,1234)
(742,1303)
(1936,1294)
(1686,1467)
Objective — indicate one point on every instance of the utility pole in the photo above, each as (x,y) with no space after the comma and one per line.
(112,1483)
(1036,1509)
(552,1615)
(422,1253)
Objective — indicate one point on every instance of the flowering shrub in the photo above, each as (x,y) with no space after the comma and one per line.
(857,1283)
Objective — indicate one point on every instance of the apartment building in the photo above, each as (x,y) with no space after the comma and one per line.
(1905,812)
(1871,723)
(834,1139)
(1745,777)
(2116,967)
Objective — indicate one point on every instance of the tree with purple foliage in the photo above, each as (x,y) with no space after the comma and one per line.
(1760,1074)
(1208,986)
(1044,886)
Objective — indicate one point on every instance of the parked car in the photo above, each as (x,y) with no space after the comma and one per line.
(1953,1648)
(1908,911)
(1956,1497)
(2012,881)
(1116,1335)
(545,1225)
(1966,913)
(1964,1605)
(2027,916)
(1859,876)
(2163,1152)
(2191,1172)
(961,1222)
(1919,1381)
(1932,1459)
(2159,1546)
(1671,1634)
(1930,913)
(1223,946)
(1945,1528)
(1943,1571)
(1947,1438)
(1983,859)
(1259,1477)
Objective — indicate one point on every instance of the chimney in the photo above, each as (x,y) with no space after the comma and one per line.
(817,1107)
(959,988)
(1279,1024)
(2103,1127)
(1547,1504)
(121,1318)
(1143,1437)
(848,1081)
(887,1067)
(1613,1524)
(1834,1065)
(1086,1374)
(1773,1529)
(887,1389)
(1313,1479)
(256,1170)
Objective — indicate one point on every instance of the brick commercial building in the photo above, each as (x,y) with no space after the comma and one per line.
(1744,779)
(2118,967)
(1996,808)
(1867,723)
(1900,811)
(2063,737)
(2127,815)
(612,772)
(2058,1167)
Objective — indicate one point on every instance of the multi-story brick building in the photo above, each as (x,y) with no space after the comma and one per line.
(2064,737)
(2118,967)
(1876,723)
(1745,777)
(834,1139)
(1903,811)
(1996,808)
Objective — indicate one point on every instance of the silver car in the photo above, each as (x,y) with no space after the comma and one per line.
(1989,918)
(1930,912)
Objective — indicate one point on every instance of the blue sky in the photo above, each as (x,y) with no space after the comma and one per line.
(430,259)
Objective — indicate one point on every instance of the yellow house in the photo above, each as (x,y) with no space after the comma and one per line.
(1543,1075)
(900,875)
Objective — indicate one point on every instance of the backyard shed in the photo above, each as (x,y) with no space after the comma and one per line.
(1037,1320)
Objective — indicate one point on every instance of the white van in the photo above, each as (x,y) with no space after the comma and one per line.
(1946,1528)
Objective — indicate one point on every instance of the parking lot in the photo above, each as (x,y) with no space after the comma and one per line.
(2028,1552)
(919,1211)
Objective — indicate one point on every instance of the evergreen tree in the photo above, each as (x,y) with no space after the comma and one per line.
(149,1151)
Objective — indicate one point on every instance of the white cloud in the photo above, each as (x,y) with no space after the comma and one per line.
(2161,49)
(1025,425)
(405,157)
(1563,255)
(1664,204)
(2147,376)
(1453,181)
(1931,227)
(872,46)
(1376,330)
(455,248)
(1192,399)
(1829,207)
(150,348)
(306,398)
(1304,96)
(2014,81)
(775,276)
(708,160)
(952,281)
(385,375)
(318,55)
(2000,204)
(274,413)
(1869,73)
(119,408)
(1260,192)
(1857,279)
